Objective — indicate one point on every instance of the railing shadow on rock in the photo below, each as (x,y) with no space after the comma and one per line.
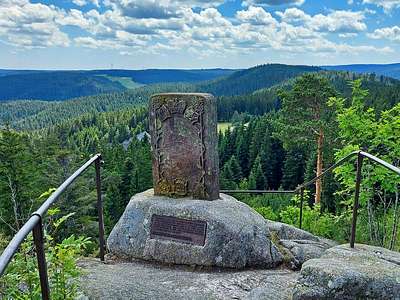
(35,224)
(300,189)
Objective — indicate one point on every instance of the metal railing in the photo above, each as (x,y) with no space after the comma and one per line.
(35,224)
(300,189)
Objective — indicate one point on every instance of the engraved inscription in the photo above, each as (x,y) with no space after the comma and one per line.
(176,229)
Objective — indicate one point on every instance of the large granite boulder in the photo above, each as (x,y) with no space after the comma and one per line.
(236,235)
(365,272)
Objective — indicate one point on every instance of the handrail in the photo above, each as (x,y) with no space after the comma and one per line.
(300,189)
(35,224)
(346,158)
(257,192)
(330,168)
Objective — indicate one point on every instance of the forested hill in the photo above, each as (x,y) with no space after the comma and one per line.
(27,114)
(55,85)
(62,85)
(384,93)
(249,80)
(390,70)
(151,76)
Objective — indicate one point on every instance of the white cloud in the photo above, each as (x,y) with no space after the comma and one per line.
(79,2)
(31,25)
(134,27)
(387,5)
(158,9)
(337,21)
(389,33)
(256,16)
(348,35)
(272,2)
(86,2)
(145,9)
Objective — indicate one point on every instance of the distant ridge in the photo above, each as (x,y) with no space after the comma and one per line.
(389,70)
(252,79)
(62,85)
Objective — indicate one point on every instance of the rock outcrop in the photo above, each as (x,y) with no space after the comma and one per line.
(365,272)
(142,280)
(236,235)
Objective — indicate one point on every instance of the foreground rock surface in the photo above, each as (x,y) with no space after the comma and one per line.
(365,272)
(236,235)
(299,251)
(143,280)
(296,245)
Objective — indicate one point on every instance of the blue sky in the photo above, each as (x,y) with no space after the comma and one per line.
(132,34)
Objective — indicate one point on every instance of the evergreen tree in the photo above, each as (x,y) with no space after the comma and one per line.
(257,180)
(272,156)
(294,168)
(260,139)
(242,149)
(20,179)
(306,118)
(234,169)
(226,178)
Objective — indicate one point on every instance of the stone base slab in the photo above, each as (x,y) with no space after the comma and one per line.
(236,235)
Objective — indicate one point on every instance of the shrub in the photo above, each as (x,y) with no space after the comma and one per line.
(267,213)
(21,280)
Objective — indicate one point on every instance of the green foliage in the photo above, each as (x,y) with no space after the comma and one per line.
(3,242)
(21,178)
(294,168)
(257,180)
(267,212)
(362,128)
(305,111)
(321,224)
(21,280)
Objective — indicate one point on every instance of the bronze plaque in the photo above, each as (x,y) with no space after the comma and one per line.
(184,142)
(176,229)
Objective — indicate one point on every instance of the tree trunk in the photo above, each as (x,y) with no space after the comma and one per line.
(318,183)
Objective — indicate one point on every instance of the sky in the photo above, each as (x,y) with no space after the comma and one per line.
(132,34)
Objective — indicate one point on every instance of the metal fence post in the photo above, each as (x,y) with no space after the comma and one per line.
(100,209)
(356,200)
(301,206)
(38,238)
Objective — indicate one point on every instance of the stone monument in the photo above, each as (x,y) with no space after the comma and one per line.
(184,142)
(175,223)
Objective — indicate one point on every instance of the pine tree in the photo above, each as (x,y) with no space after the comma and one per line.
(272,156)
(242,149)
(294,168)
(260,138)
(257,180)
(226,178)
(306,118)
(20,179)
(234,169)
